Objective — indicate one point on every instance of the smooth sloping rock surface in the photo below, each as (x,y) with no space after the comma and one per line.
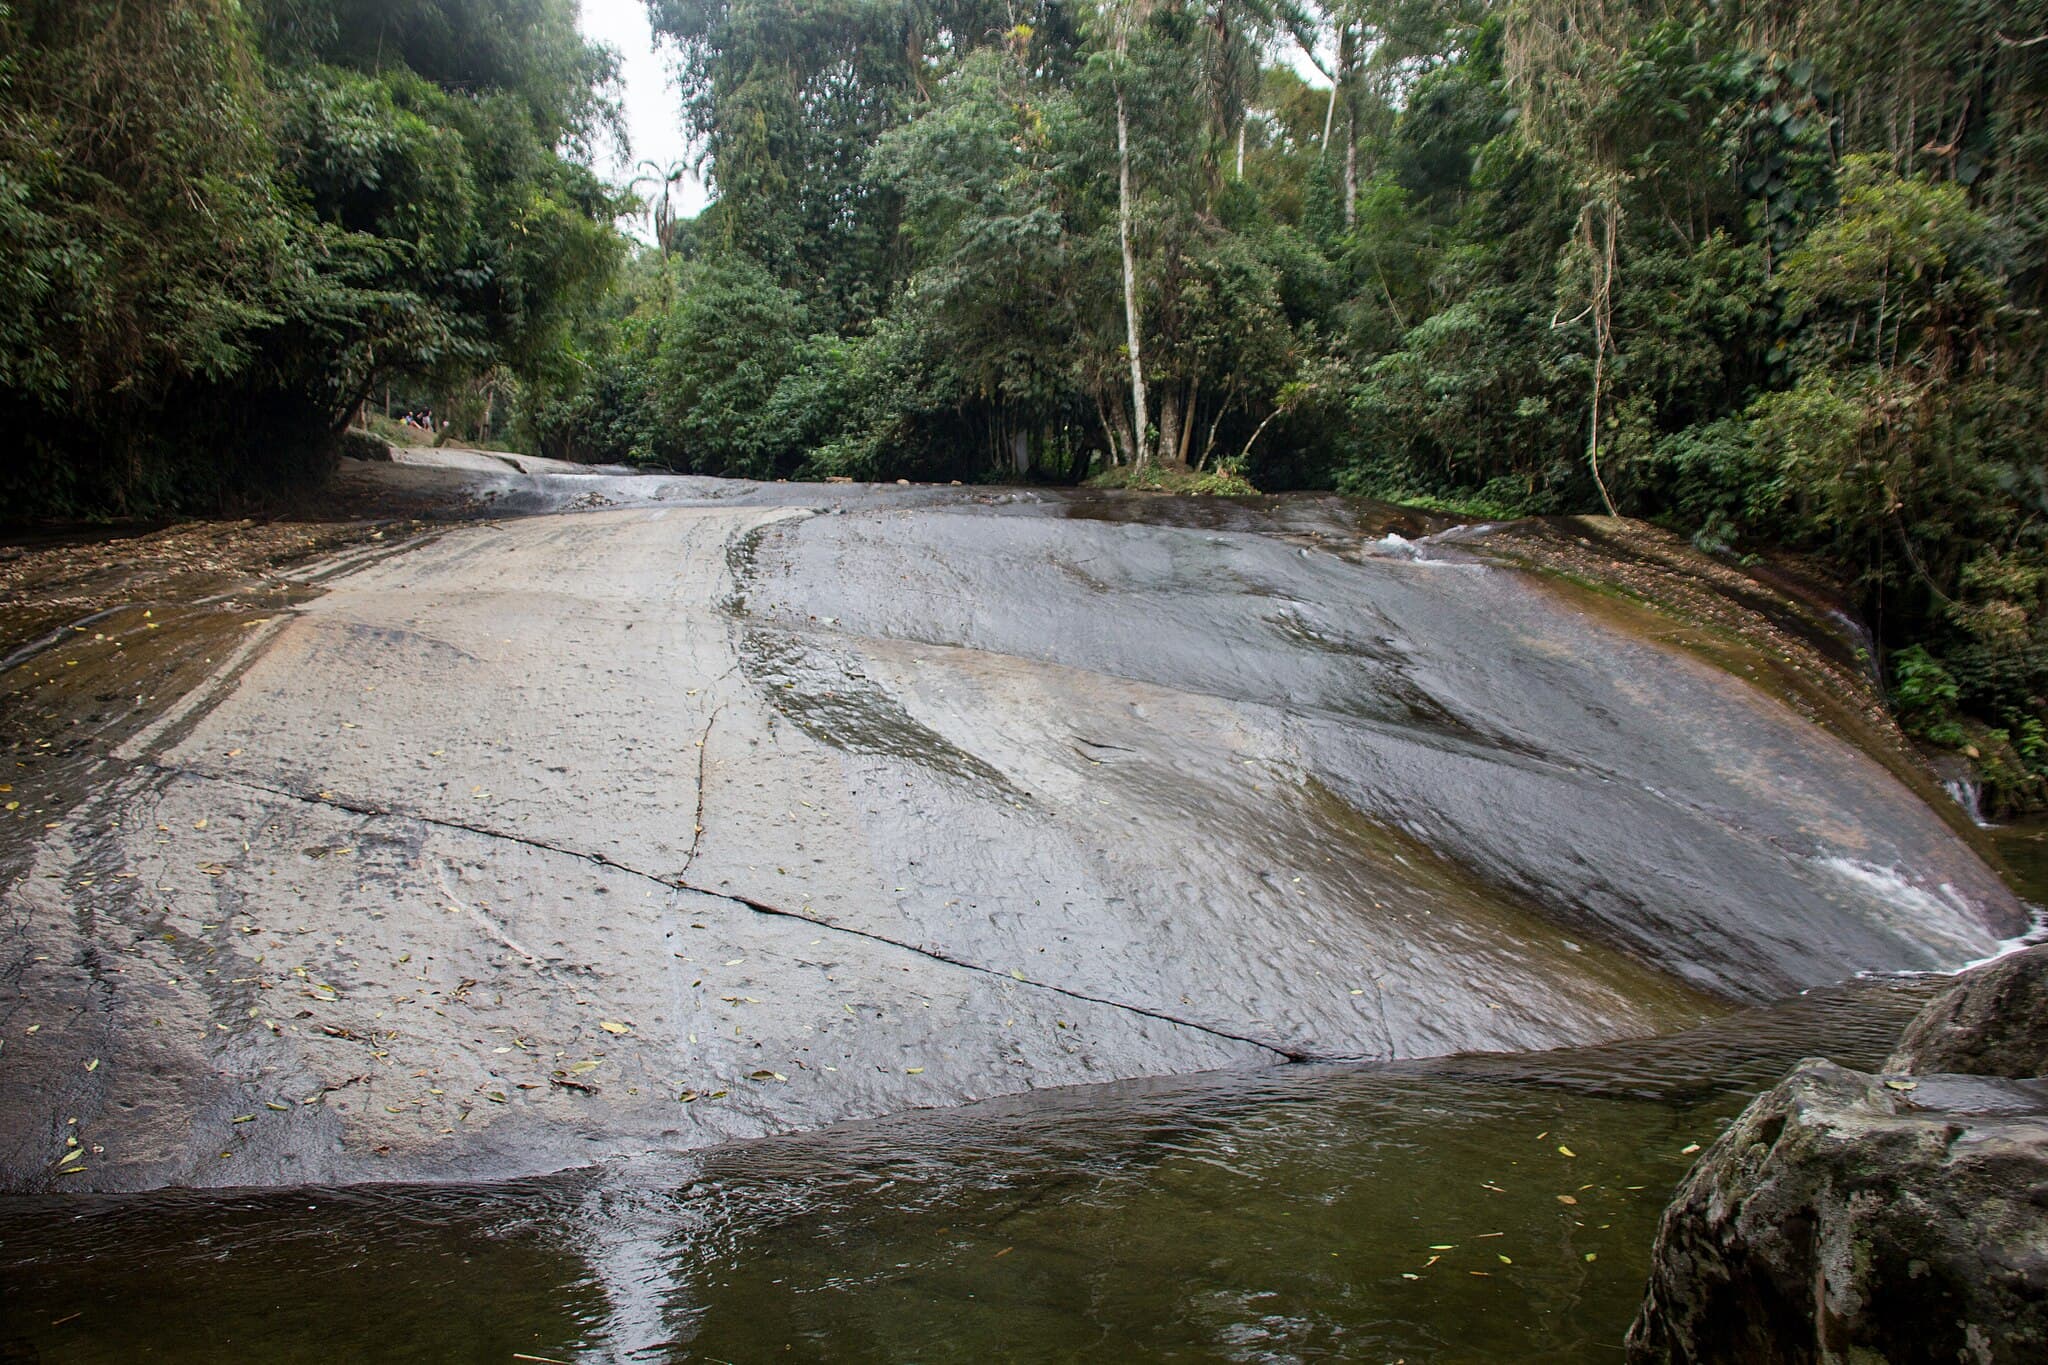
(1636,795)
(1992,1021)
(1843,1220)
(714,816)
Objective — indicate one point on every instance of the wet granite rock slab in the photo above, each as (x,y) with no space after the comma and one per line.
(732,809)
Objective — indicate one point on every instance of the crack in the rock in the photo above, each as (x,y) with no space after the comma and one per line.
(758,907)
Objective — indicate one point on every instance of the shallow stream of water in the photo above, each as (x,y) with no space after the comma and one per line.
(1489,1208)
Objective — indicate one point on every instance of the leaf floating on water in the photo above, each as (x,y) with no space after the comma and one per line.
(765,1075)
(75,1154)
(1507,1260)
(93,1065)
(1591,1256)
(1565,1151)
(1407,1276)
(245,1118)
(280,1108)
(1443,1246)
(1566,1199)
(1014,972)
(614,1026)
(686,1096)
(1688,1150)
(913,1071)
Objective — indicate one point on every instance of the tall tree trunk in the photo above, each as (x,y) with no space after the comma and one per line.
(1109,428)
(1350,174)
(1187,422)
(1169,425)
(1240,149)
(1603,255)
(1141,418)
(1215,421)
(1347,76)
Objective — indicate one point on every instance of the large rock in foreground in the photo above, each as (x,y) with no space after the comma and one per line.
(1856,1218)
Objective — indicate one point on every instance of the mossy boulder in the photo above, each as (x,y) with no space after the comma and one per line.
(1875,1219)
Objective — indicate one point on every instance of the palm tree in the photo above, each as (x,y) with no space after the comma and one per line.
(662,210)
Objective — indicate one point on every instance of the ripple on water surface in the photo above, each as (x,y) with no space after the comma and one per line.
(1480,1208)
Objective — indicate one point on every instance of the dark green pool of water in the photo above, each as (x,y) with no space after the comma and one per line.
(1476,1209)
(2023,848)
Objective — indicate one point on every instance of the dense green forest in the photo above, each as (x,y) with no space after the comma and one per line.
(222,224)
(1770,272)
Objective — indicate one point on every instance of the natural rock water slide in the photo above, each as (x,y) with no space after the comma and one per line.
(728,809)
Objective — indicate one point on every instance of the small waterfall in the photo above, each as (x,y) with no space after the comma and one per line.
(1968,793)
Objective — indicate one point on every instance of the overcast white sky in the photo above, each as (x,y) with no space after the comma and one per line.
(653,110)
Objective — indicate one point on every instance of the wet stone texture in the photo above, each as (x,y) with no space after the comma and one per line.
(1992,1021)
(1897,1217)
(729,809)
(1844,1220)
